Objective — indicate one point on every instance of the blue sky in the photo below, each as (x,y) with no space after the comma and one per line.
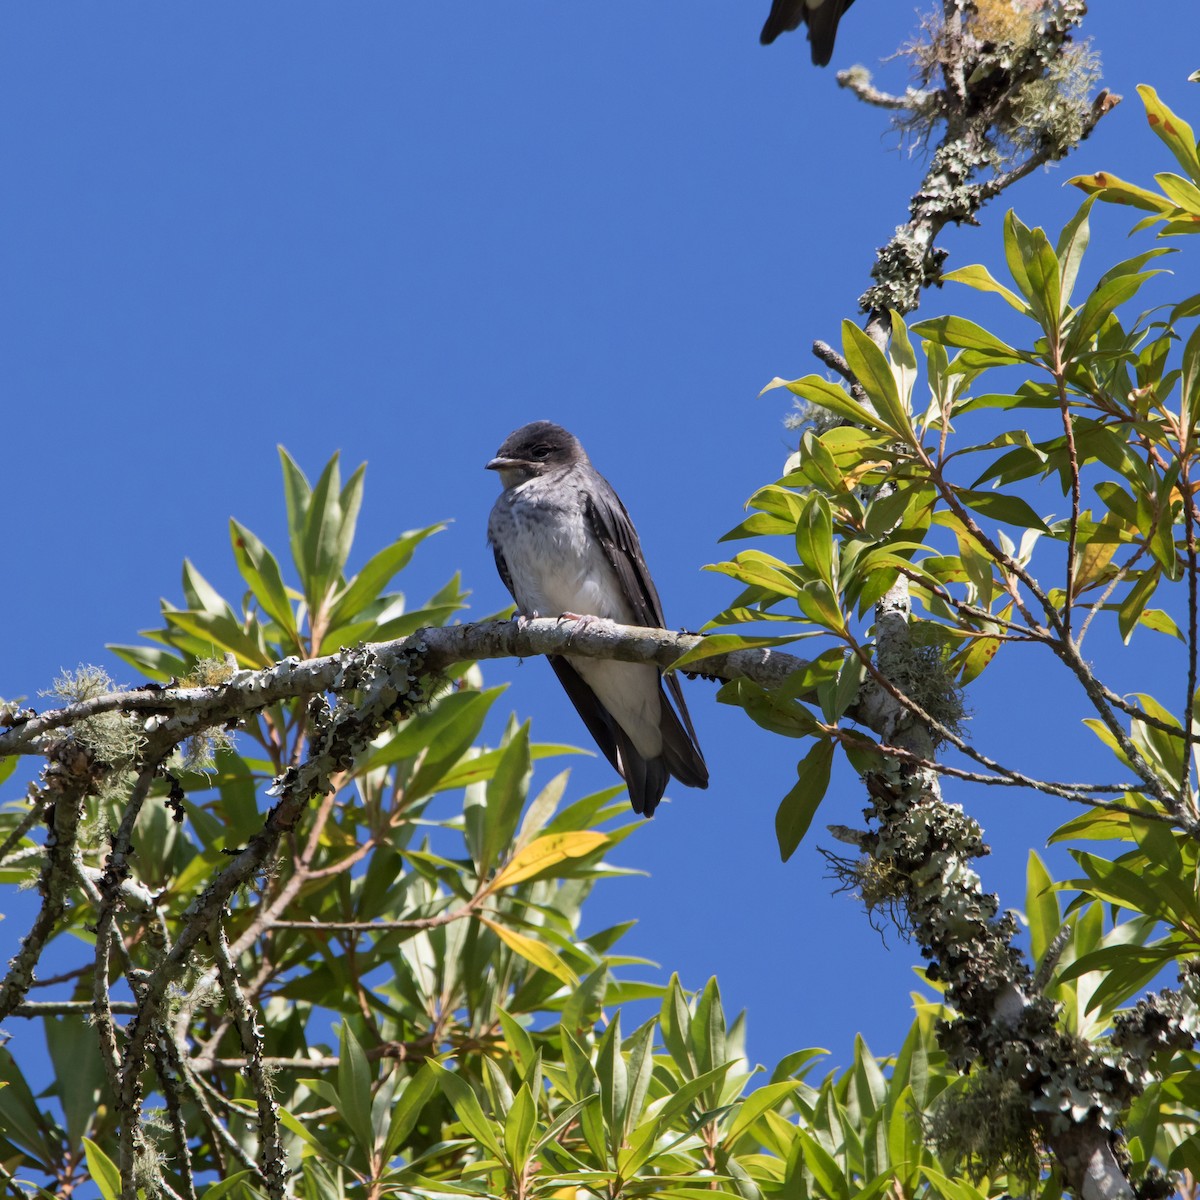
(402,230)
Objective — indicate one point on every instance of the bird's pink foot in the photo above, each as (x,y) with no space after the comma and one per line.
(582,621)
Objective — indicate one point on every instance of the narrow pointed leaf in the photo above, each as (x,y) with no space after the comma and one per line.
(798,807)
(540,857)
(537,953)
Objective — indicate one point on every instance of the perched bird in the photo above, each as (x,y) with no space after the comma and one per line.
(822,17)
(565,546)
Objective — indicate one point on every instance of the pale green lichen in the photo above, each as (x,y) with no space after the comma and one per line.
(985,1126)
(112,740)
(1052,112)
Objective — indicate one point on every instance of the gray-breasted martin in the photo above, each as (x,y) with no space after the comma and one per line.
(565,545)
(821,16)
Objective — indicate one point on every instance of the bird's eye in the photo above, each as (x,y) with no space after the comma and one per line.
(539,452)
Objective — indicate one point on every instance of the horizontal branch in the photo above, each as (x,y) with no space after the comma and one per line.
(70,1008)
(174,713)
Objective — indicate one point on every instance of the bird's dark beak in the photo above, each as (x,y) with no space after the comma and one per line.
(503,464)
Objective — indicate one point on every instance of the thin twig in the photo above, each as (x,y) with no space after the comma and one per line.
(323,927)
(37,808)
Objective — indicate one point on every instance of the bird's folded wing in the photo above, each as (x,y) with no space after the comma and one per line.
(616,534)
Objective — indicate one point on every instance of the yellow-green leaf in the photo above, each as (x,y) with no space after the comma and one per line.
(103,1170)
(535,952)
(545,853)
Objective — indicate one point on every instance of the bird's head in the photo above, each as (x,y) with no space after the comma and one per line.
(536,449)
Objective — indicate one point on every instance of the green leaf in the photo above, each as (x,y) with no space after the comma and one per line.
(298,1128)
(821,392)
(685,1095)
(727,643)
(407,1108)
(814,537)
(1129,612)
(953,1189)
(298,494)
(707,1029)
(1072,243)
(506,792)
(829,1177)
(1046,280)
(78,1071)
(819,603)
(201,595)
(639,1067)
(1107,296)
(1041,908)
(1182,192)
(874,372)
(760,570)
(1189,389)
(349,504)
(1003,507)
(614,1080)
(467,1107)
(674,1023)
(377,572)
(153,662)
(230,1186)
(773,711)
(798,807)
(518,1129)
(520,1044)
(839,695)
(905,1140)
(21,1121)
(758,1102)
(480,767)
(322,527)
(260,570)
(444,731)
(354,1078)
(980,278)
(217,634)
(103,1171)
(957,331)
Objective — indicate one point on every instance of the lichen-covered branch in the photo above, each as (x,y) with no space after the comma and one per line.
(173,714)
(67,779)
(272,1160)
(1012,97)
(1039,1083)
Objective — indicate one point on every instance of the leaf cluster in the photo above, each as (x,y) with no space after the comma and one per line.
(944,501)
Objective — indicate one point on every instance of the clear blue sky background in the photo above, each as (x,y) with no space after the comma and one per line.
(401,230)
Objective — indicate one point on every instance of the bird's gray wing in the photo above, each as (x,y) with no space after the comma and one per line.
(502,570)
(615,532)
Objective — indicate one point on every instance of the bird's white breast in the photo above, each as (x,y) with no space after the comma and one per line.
(554,559)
